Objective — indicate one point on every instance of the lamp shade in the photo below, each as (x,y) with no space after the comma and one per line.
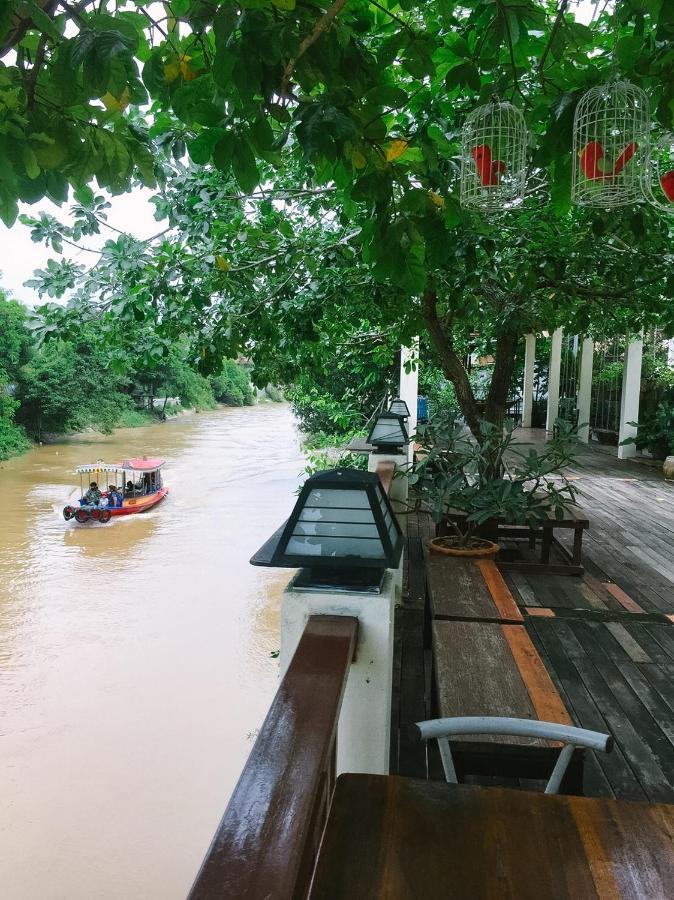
(388,432)
(342,518)
(399,408)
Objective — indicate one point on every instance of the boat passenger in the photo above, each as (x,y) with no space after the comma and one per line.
(130,489)
(93,495)
(114,496)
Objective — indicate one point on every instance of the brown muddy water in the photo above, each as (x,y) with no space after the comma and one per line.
(135,657)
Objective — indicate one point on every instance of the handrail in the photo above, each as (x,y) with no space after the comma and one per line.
(266,843)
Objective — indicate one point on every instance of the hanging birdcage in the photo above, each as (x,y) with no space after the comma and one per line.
(611,142)
(493,157)
(658,183)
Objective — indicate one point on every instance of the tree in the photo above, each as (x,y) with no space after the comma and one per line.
(15,343)
(354,110)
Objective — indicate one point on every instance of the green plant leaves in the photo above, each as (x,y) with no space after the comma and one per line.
(244,166)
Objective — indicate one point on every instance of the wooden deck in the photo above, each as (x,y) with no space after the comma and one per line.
(607,639)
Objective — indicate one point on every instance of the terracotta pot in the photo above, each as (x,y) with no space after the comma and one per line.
(443,546)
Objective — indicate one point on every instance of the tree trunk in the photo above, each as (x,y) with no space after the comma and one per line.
(505,355)
(451,363)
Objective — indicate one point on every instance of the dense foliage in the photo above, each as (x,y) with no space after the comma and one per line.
(67,385)
(466,484)
(321,203)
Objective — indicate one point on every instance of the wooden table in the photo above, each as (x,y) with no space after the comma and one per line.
(394,838)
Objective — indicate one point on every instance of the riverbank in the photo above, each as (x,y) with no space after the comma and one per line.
(133,418)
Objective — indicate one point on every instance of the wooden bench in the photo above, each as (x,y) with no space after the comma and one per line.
(469,590)
(486,665)
(492,669)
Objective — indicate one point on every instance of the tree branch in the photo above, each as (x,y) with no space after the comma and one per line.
(322,25)
(35,71)
(553,34)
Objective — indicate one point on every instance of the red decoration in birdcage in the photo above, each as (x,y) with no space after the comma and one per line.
(493,157)
(658,183)
(611,146)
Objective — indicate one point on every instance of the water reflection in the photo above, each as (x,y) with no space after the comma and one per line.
(135,657)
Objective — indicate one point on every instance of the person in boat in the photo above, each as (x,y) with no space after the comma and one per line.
(130,489)
(114,496)
(93,495)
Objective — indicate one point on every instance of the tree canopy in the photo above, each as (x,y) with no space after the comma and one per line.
(307,159)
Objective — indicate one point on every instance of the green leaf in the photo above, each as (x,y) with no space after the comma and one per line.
(30,162)
(223,152)
(244,166)
(44,22)
(284,4)
(465,74)
(202,147)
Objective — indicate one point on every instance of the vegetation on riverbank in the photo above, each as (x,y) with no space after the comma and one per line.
(68,385)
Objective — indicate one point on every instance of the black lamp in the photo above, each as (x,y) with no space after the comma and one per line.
(399,408)
(342,531)
(388,434)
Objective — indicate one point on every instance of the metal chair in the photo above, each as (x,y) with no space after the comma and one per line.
(443,729)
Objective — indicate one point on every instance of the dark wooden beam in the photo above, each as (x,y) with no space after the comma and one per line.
(267,841)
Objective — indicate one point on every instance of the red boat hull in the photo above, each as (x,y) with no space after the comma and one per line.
(139,504)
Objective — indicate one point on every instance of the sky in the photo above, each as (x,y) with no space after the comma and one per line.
(131,212)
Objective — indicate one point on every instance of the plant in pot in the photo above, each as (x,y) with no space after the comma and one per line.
(470,485)
(656,432)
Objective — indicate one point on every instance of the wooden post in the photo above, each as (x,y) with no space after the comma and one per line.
(528,388)
(629,400)
(554,374)
(585,389)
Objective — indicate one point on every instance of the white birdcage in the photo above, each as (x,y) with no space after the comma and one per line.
(658,183)
(611,146)
(493,157)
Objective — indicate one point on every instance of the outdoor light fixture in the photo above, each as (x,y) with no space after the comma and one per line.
(388,434)
(399,408)
(342,531)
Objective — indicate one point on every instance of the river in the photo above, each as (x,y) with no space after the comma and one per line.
(135,657)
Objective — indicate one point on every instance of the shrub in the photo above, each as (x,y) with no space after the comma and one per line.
(233,386)
(13,438)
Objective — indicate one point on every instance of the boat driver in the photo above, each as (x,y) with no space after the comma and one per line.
(93,495)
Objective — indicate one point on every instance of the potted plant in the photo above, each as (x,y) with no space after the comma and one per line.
(471,485)
(656,432)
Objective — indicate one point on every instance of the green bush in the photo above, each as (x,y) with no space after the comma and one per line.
(656,431)
(13,438)
(233,386)
(67,387)
(274,394)
(193,389)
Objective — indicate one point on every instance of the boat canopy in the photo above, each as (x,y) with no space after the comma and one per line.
(143,464)
(138,464)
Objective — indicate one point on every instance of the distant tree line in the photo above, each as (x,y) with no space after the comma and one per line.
(65,385)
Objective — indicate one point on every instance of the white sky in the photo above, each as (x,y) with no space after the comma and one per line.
(133,213)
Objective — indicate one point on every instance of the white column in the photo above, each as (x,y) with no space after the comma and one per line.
(364,729)
(409,386)
(629,400)
(585,389)
(528,389)
(554,374)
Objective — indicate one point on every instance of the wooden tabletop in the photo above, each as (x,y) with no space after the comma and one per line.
(394,838)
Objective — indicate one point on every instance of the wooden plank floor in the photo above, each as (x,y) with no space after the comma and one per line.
(630,541)
(606,639)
